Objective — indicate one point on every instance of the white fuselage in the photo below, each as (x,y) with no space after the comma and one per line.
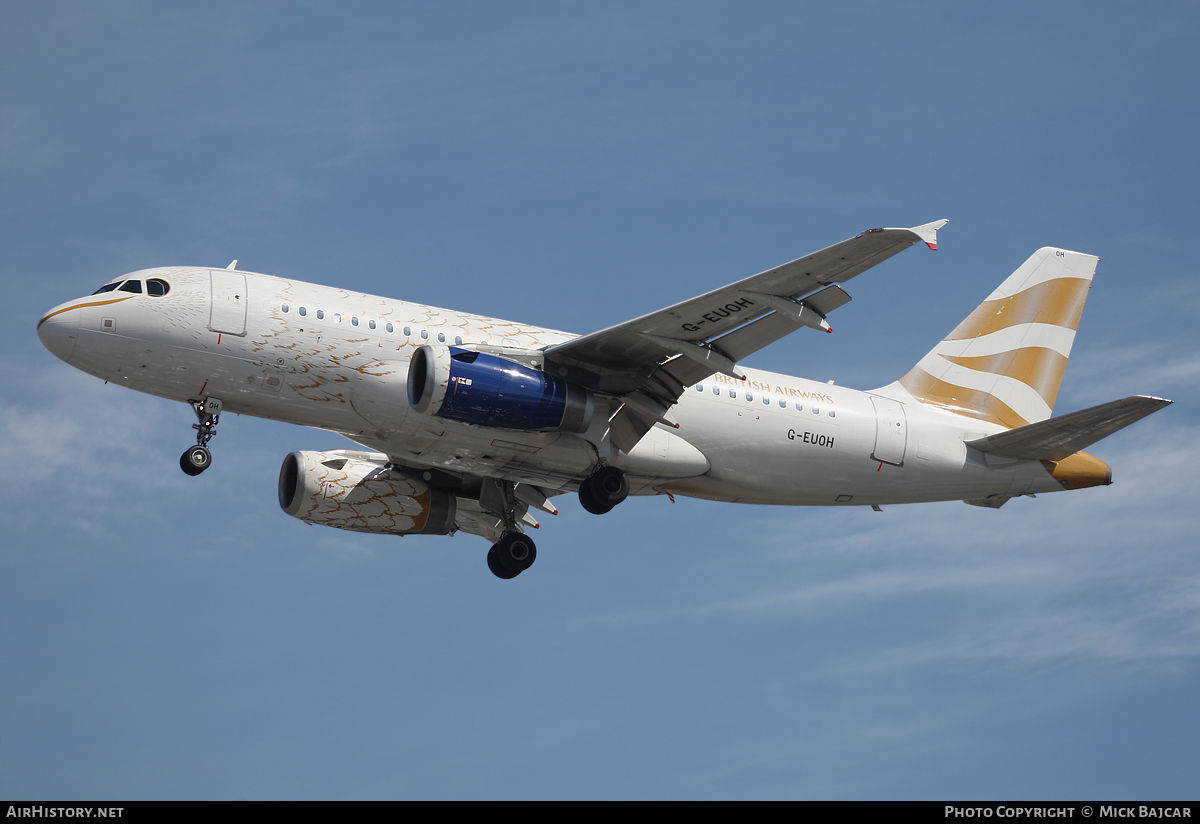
(339,360)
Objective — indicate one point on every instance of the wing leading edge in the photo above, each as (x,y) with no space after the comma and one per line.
(647,362)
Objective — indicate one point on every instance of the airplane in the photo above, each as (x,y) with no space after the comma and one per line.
(470,423)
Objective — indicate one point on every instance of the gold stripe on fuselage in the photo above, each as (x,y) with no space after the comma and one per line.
(83,306)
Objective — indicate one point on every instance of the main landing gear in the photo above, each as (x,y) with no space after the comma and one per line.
(511,555)
(515,551)
(604,489)
(197,458)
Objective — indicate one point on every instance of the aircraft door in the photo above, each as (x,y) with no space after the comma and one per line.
(891,431)
(228,305)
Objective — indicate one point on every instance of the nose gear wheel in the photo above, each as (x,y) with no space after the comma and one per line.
(197,458)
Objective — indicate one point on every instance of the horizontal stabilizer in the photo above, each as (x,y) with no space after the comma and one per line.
(1056,438)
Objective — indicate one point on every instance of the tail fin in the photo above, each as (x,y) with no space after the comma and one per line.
(1004,363)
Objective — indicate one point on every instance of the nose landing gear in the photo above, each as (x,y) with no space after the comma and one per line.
(197,458)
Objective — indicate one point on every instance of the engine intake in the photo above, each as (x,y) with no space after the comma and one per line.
(473,387)
(333,489)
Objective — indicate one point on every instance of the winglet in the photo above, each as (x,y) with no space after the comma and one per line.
(232,265)
(928,232)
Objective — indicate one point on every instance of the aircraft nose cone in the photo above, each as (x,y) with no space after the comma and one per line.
(58,331)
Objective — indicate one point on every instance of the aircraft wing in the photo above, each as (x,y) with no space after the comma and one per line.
(648,361)
(1056,438)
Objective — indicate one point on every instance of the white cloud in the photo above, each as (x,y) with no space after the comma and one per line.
(1159,368)
(60,424)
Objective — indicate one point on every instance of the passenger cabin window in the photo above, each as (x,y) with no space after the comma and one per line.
(390,328)
(799,407)
(134,286)
(424,334)
(157,287)
(303,311)
(354,321)
(285,309)
(371,324)
(699,387)
(108,287)
(782,403)
(766,400)
(733,393)
(716,390)
(458,340)
(407,332)
(441,337)
(832,414)
(320,314)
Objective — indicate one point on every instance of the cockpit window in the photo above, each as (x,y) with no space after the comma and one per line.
(134,286)
(156,287)
(108,287)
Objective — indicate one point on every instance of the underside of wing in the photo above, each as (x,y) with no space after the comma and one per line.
(481,504)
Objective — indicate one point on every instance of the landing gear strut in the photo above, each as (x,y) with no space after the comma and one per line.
(197,458)
(604,489)
(515,551)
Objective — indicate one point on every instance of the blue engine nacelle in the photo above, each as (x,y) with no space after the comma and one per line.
(467,386)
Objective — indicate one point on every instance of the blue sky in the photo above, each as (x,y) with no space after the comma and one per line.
(575,165)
